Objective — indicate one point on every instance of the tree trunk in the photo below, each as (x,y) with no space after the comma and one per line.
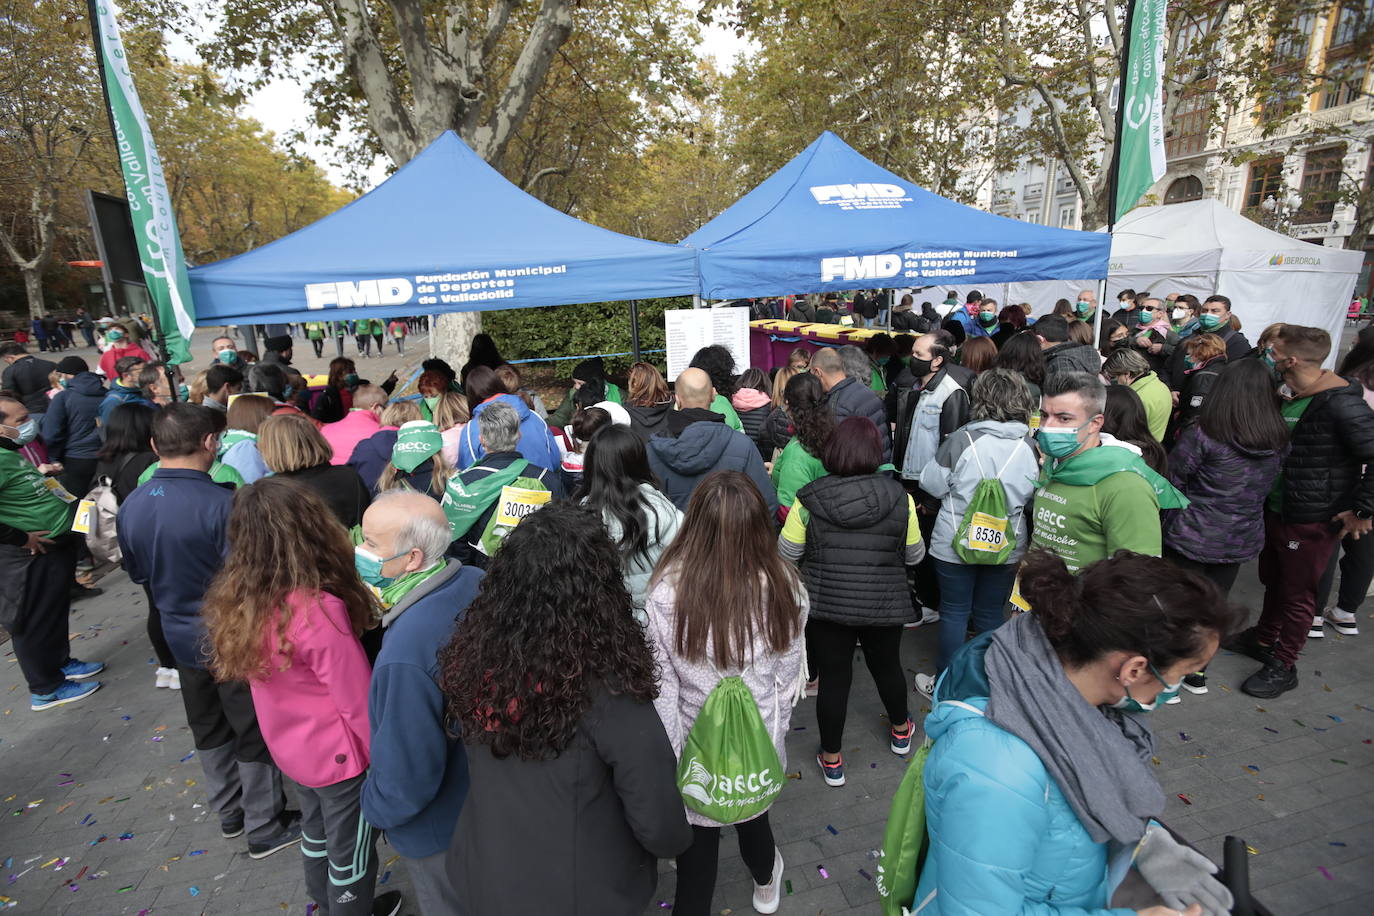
(452,334)
(33,288)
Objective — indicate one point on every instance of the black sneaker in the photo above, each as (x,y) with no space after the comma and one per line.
(1247,643)
(229,829)
(290,835)
(1274,679)
(388,904)
(1195,683)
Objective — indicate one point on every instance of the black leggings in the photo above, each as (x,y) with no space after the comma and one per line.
(696,868)
(1223,575)
(833,647)
(165,659)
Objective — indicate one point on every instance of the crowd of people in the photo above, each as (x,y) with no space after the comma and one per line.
(491,629)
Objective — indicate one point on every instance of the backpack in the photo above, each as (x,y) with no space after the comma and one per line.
(95,517)
(516,501)
(985,536)
(514,497)
(729,770)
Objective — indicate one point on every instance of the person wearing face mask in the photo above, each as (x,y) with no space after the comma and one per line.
(119,346)
(1040,792)
(226,354)
(38,554)
(1093,498)
(1125,302)
(1215,318)
(124,389)
(337,397)
(418,778)
(1085,309)
(1325,492)
(152,379)
(1150,332)
(1114,336)
(173,536)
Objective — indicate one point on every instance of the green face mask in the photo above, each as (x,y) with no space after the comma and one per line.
(1082,307)
(987,319)
(1209,322)
(1131,704)
(1146,316)
(1059,441)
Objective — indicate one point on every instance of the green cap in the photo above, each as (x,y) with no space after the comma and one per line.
(416,442)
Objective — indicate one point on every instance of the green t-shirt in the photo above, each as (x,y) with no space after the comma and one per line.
(314,330)
(721,405)
(26,502)
(794,469)
(1292,412)
(219,473)
(1157,401)
(1084,524)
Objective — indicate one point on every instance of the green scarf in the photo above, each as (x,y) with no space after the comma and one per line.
(1088,468)
(393,593)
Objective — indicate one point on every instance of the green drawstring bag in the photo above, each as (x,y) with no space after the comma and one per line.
(904,839)
(729,770)
(985,536)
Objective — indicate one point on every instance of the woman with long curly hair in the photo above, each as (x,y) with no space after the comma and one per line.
(812,423)
(551,682)
(745,618)
(285,614)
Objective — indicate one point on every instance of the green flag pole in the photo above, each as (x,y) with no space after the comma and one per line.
(150,202)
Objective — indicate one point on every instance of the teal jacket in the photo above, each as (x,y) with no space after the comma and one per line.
(1003,838)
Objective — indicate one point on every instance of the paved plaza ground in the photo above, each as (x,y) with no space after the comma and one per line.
(103,803)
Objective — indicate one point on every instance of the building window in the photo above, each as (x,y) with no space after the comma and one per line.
(1183,190)
(1192,120)
(1321,183)
(1351,21)
(1344,88)
(1266,177)
(1068,215)
(1292,44)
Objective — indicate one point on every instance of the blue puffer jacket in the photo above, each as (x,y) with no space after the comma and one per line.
(1003,838)
(70,429)
(537,444)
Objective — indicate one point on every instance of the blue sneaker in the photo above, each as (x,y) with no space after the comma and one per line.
(77,670)
(69,692)
(901,741)
(833,772)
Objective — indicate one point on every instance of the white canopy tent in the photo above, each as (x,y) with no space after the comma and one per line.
(1202,247)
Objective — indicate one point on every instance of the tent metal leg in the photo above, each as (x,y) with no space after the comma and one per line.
(634,327)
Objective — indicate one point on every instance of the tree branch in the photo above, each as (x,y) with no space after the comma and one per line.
(551,28)
(385,112)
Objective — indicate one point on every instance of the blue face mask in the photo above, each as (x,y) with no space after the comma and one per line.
(287,392)
(370,565)
(184,393)
(1059,441)
(25,432)
(1131,704)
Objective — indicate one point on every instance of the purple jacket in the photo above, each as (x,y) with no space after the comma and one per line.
(1227,486)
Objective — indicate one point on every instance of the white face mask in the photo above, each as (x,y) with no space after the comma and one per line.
(1177,314)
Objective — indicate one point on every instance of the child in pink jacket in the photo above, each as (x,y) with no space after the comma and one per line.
(285,614)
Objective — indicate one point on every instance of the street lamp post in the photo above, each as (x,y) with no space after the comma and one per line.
(1279,211)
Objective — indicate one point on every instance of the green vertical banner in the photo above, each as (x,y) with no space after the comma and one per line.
(150,204)
(1141,138)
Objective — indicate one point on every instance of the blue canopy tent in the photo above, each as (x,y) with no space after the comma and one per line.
(446,233)
(832,220)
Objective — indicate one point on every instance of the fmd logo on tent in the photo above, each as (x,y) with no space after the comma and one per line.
(861,267)
(861,196)
(344,294)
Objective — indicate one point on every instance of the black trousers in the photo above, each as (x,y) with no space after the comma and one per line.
(833,647)
(318,344)
(77,474)
(1357,570)
(696,868)
(221,713)
(165,658)
(39,636)
(1223,575)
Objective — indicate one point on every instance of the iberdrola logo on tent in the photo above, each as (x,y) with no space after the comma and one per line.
(1276,260)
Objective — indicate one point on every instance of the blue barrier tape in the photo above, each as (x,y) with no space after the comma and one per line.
(555,359)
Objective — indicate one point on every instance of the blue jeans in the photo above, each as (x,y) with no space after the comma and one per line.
(978,591)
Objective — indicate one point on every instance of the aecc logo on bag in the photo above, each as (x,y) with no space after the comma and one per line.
(704,787)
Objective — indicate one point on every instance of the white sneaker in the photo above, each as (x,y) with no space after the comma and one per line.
(925,683)
(928,615)
(174,682)
(1317,631)
(164,676)
(768,896)
(1174,700)
(1344,622)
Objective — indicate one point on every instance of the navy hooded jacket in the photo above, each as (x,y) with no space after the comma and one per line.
(704,444)
(70,427)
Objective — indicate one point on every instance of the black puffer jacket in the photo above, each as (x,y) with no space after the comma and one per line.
(1330,463)
(755,423)
(854,564)
(851,399)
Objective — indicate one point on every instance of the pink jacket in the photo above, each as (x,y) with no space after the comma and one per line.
(313,715)
(344,435)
